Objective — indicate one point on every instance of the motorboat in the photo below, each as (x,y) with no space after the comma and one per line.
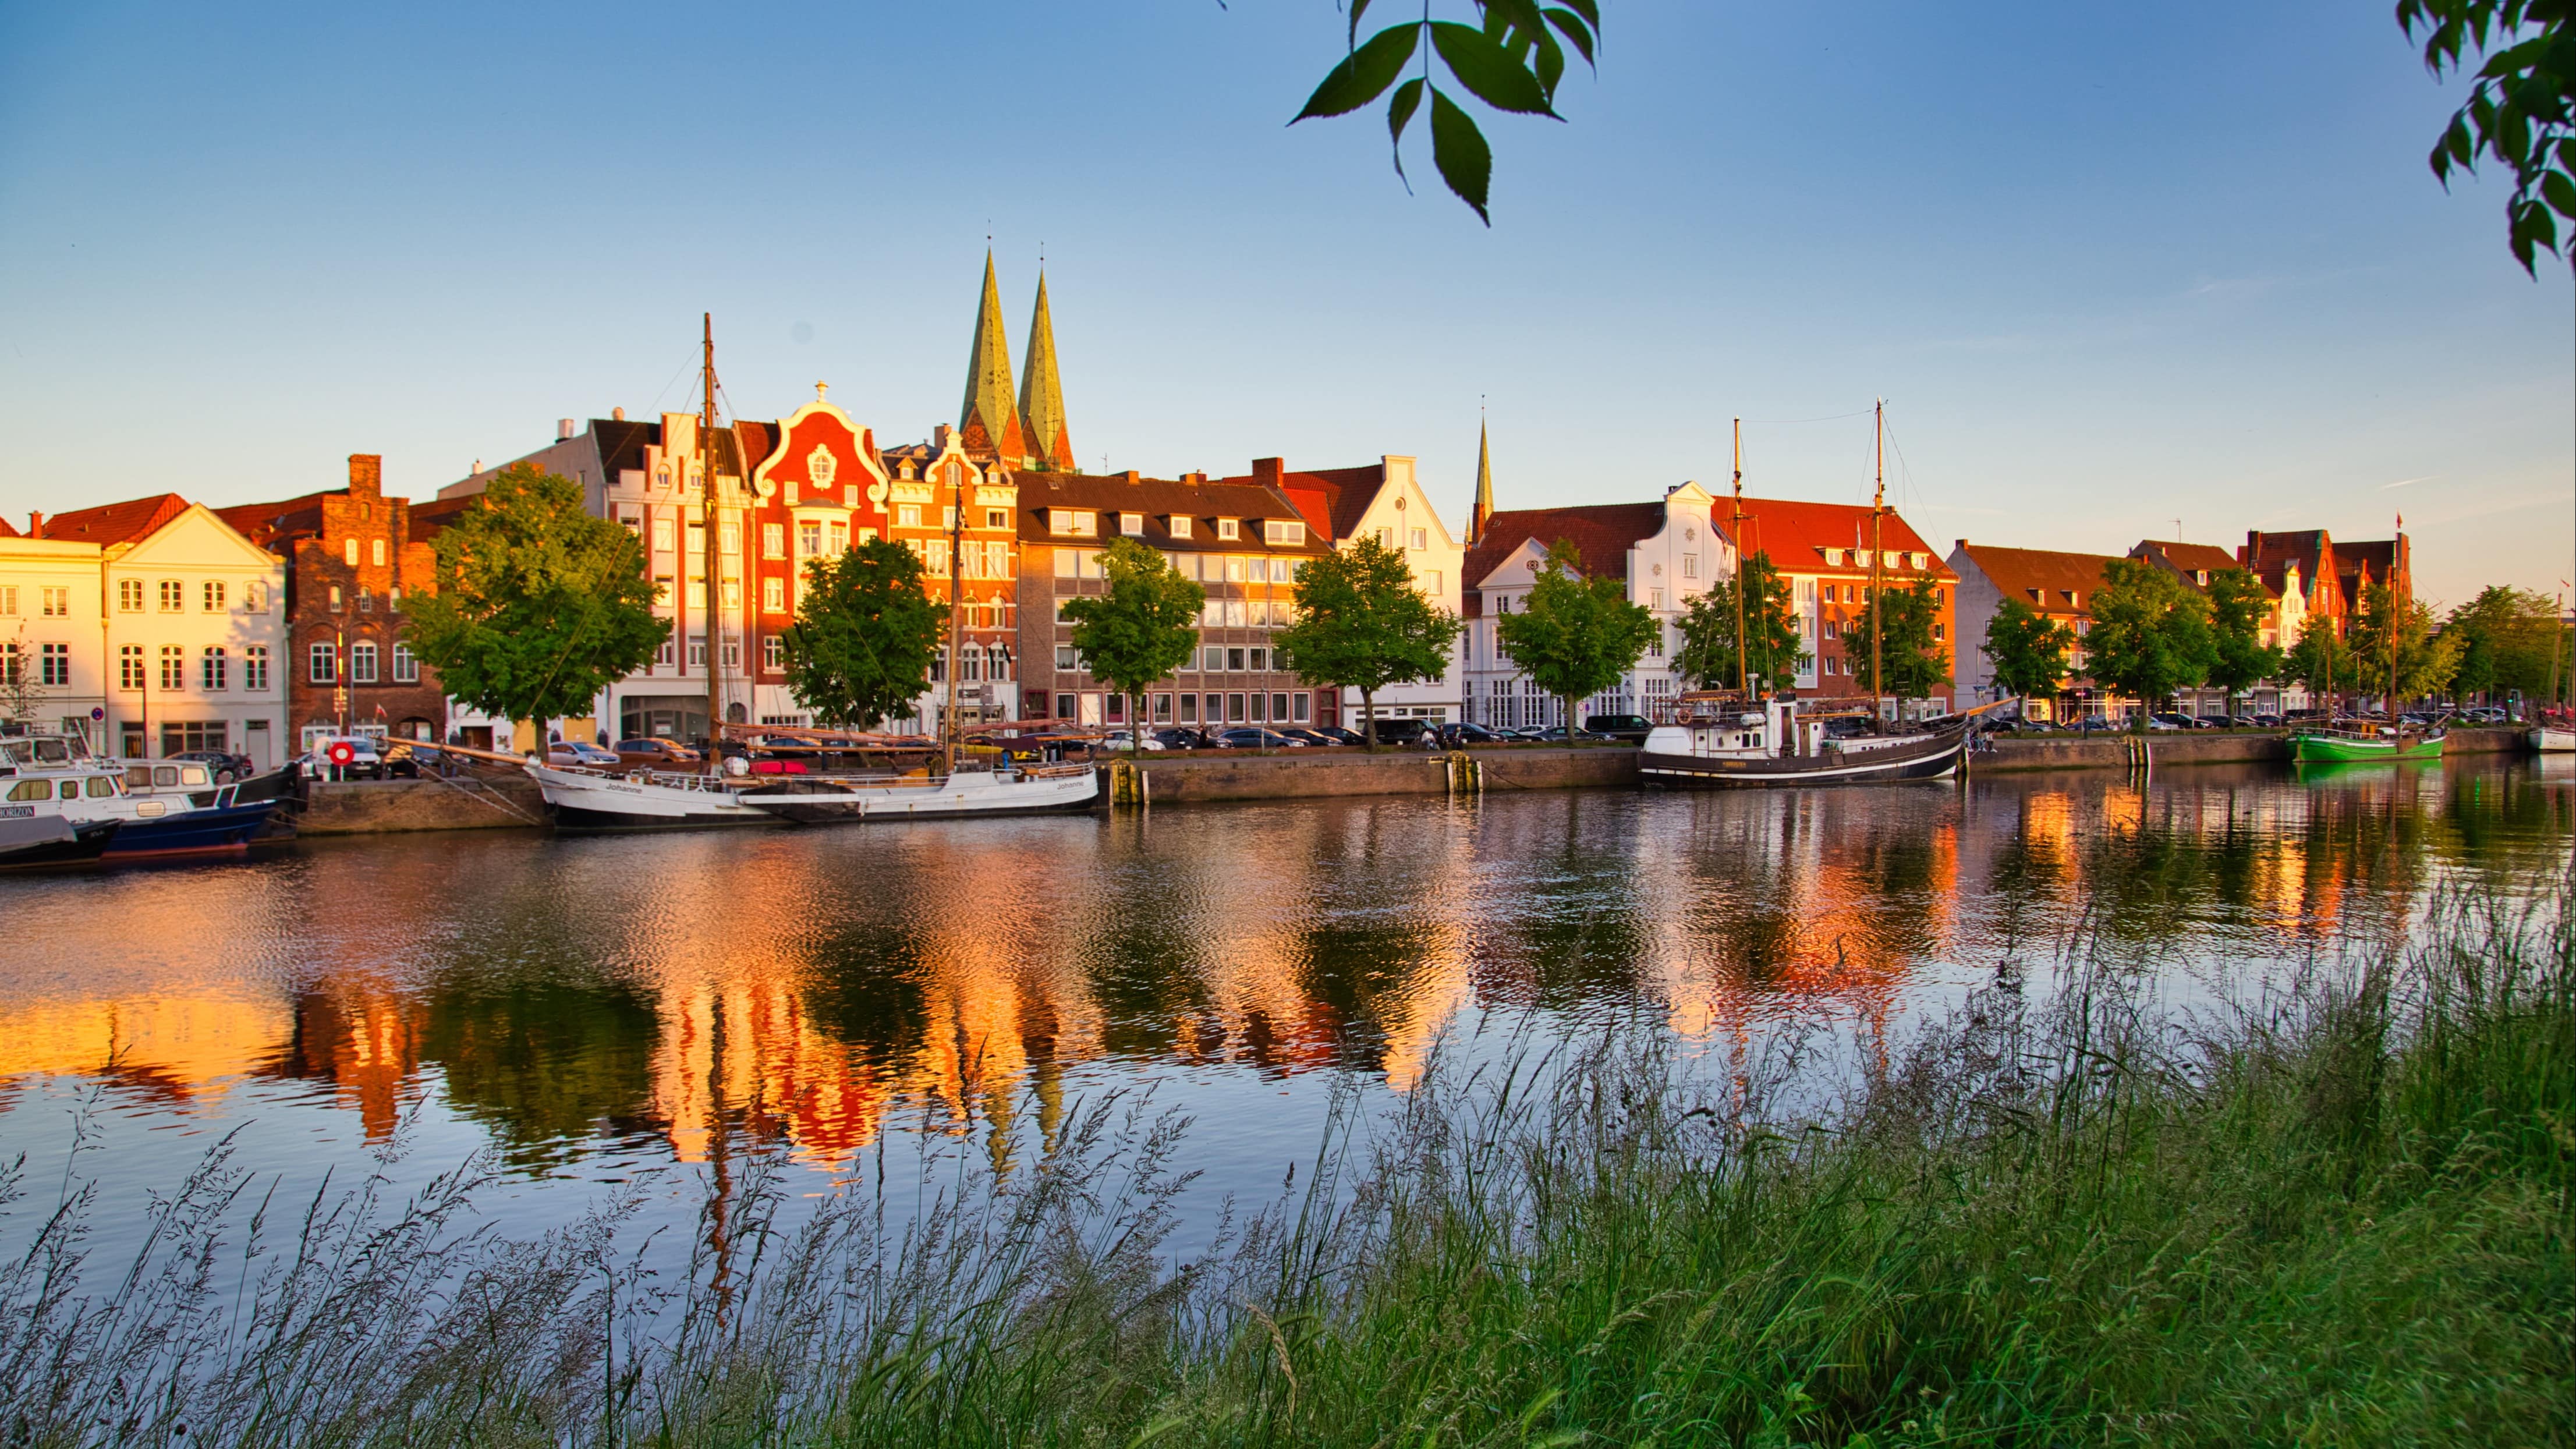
(1724,741)
(56,777)
(2553,739)
(29,841)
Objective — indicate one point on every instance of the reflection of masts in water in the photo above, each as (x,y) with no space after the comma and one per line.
(719,1156)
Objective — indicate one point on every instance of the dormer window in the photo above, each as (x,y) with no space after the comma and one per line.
(1132,524)
(1179,524)
(1833,558)
(1228,529)
(1073,521)
(1278,531)
(2203,576)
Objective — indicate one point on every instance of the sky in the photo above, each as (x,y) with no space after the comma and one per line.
(2119,271)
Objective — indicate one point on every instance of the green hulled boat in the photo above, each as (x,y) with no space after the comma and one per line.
(2313,747)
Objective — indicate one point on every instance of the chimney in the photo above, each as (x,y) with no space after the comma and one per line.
(1131,477)
(367,471)
(35,524)
(939,437)
(1196,478)
(1266,471)
(563,430)
(617,415)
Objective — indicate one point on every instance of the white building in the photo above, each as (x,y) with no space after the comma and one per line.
(1384,502)
(152,624)
(1667,553)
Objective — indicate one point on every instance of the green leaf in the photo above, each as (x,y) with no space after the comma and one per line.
(2560,191)
(1590,10)
(1459,150)
(1572,26)
(1521,15)
(1365,74)
(1551,64)
(1358,9)
(1483,68)
(1399,114)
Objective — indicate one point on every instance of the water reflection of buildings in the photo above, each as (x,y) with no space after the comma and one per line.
(813,987)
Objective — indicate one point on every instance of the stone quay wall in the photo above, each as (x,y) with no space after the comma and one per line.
(2112,752)
(475,802)
(1300,774)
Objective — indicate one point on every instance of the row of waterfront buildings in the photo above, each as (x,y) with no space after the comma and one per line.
(159,625)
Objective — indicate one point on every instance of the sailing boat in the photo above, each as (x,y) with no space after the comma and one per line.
(2392,741)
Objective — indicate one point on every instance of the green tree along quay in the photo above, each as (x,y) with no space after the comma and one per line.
(2506,637)
(1575,636)
(538,606)
(1511,59)
(2521,109)
(2394,649)
(1141,630)
(865,636)
(2150,634)
(1915,661)
(1707,658)
(2027,650)
(2239,658)
(1362,624)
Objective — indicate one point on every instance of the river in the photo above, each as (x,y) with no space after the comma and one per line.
(620,1010)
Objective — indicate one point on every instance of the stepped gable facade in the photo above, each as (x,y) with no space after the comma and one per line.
(2197,563)
(354,558)
(1245,544)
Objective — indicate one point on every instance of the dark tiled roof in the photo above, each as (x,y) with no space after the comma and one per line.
(2189,557)
(2380,554)
(116,522)
(2271,552)
(2017,572)
(1601,533)
(1158,499)
(429,517)
(265,523)
(1332,499)
(622,445)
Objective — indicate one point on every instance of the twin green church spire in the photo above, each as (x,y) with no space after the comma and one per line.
(1028,432)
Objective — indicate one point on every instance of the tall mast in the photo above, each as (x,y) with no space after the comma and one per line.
(1743,645)
(956,541)
(1877,509)
(715,587)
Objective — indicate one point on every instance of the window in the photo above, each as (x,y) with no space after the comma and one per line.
(1189,709)
(1300,702)
(214,670)
(728,537)
(321,664)
(697,540)
(632,517)
(773,540)
(1279,709)
(1064,706)
(1386,538)
(1234,661)
(1260,660)
(8,598)
(997,560)
(1690,565)
(349,552)
(1234,708)
(1213,658)
(362,664)
(174,667)
(366,601)
(662,533)
(1277,531)
(809,536)
(1283,570)
(255,667)
(406,665)
(1131,524)
(733,654)
(773,652)
(58,603)
(733,593)
(907,515)
(58,664)
(1180,525)
(174,596)
(335,598)
(1066,659)
(129,596)
(669,654)
(1228,529)
(376,553)
(697,651)
(773,595)
(997,518)
(12,667)
(836,536)
(1940,631)
(1655,600)
(1421,540)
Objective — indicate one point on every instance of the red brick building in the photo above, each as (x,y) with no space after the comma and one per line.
(354,558)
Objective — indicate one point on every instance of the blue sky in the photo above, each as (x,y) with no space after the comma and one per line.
(2111,266)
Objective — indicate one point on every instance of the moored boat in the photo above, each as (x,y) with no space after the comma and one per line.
(1718,742)
(1003,790)
(32,841)
(2553,740)
(2329,746)
(55,777)
(643,799)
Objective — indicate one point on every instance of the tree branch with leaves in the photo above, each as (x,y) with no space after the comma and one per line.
(1511,59)
(865,636)
(1141,630)
(1363,623)
(1774,648)
(1575,636)
(2521,110)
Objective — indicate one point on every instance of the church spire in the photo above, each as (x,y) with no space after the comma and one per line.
(1484,486)
(1042,392)
(989,423)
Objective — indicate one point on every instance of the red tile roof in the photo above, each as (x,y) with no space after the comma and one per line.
(6,531)
(1332,500)
(2189,557)
(1795,533)
(1601,533)
(2041,578)
(116,522)
(265,523)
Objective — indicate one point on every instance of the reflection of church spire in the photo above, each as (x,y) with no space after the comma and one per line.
(1484,487)
(1042,393)
(988,425)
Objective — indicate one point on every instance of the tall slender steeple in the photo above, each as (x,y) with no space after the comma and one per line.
(1484,486)
(989,422)
(1042,393)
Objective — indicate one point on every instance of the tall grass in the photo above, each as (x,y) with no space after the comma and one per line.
(2337,1213)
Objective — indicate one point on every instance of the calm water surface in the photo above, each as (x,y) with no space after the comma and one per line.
(629,1009)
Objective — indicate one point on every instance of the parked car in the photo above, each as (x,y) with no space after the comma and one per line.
(2165,719)
(2094,724)
(1338,735)
(1401,731)
(1462,736)
(365,761)
(1184,738)
(2214,722)
(1630,727)
(2271,722)
(1556,735)
(579,755)
(1125,739)
(1258,739)
(227,766)
(654,754)
(1313,738)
